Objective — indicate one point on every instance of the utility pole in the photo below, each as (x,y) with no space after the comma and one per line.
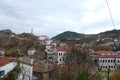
(108,72)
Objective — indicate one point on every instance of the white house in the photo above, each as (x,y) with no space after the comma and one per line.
(2,51)
(26,68)
(44,39)
(51,53)
(109,61)
(6,65)
(61,53)
(94,54)
(31,51)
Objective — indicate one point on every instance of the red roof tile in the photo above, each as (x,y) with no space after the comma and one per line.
(4,61)
(102,52)
(63,49)
(32,49)
(1,49)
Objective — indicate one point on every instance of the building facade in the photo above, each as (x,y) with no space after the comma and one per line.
(62,53)
(6,65)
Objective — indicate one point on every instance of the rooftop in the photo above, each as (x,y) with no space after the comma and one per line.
(4,61)
(42,66)
(63,49)
(32,49)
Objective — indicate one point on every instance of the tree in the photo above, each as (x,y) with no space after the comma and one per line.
(9,53)
(82,75)
(116,74)
(66,73)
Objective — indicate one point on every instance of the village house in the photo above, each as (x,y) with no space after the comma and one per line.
(26,68)
(2,52)
(43,70)
(94,54)
(44,39)
(61,54)
(106,59)
(51,53)
(31,51)
(109,61)
(6,65)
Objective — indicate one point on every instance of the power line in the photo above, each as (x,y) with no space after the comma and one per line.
(113,23)
(110,14)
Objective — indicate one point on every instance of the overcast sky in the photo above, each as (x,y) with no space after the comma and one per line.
(51,17)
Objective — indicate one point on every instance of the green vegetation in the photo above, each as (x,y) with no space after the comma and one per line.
(68,34)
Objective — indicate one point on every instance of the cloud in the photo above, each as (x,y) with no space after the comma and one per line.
(51,17)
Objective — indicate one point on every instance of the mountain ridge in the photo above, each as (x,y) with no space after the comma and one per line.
(67,34)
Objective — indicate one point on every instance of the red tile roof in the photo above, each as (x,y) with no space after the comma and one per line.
(4,61)
(1,49)
(40,67)
(109,56)
(63,49)
(103,52)
(32,49)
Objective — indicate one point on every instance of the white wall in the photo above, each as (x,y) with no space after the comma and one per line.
(26,73)
(8,67)
(31,52)
(108,63)
(3,52)
(61,57)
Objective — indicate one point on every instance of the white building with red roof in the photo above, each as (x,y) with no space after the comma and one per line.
(45,39)
(6,65)
(62,53)
(31,51)
(109,61)
(51,53)
(94,54)
(2,52)
(26,68)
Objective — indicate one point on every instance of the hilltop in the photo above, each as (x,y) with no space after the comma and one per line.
(67,34)
(103,38)
(24,41)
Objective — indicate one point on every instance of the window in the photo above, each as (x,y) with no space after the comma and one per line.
(50,57)
(60,59)
(111,61)
(63,59)
(114,66)
(105,60)
(118,61)
(2,73)
(106,66)
(59,54)
(111,66)
(114,60)
(108,60)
